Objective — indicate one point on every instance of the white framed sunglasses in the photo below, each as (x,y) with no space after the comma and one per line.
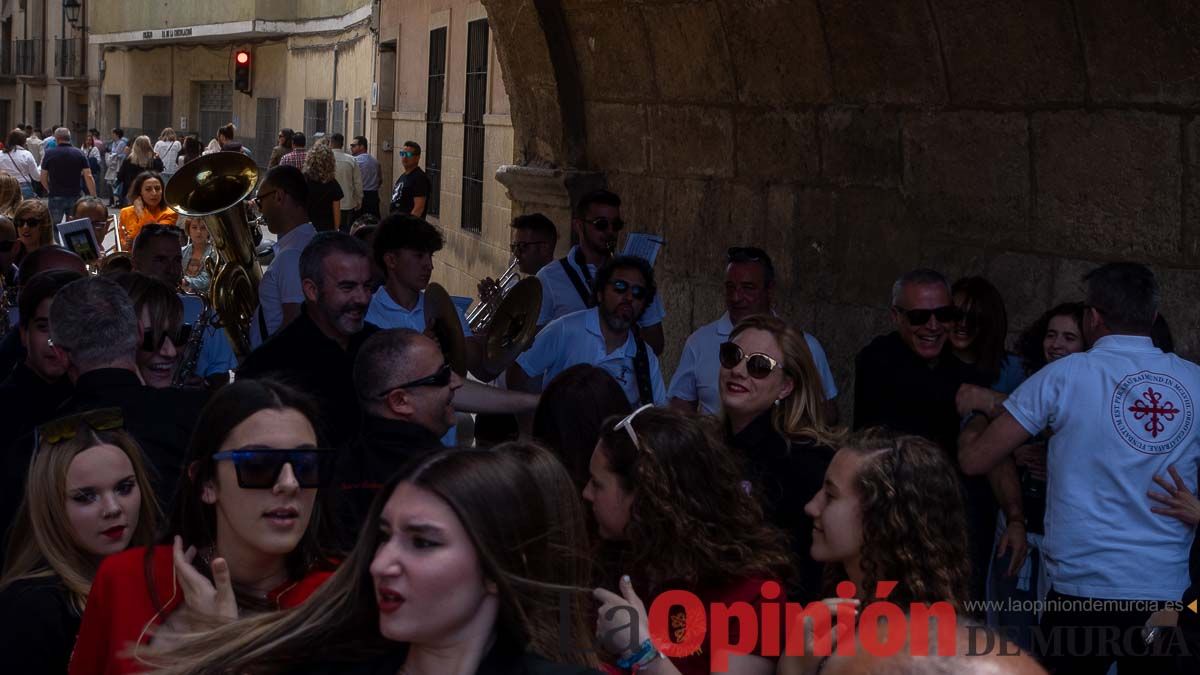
(627,425)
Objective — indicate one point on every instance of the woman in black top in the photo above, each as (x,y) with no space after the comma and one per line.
(87,495)
(324,193)
(141,158)
(772,399)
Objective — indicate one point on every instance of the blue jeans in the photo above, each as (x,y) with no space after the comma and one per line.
(59,206)
(27,191)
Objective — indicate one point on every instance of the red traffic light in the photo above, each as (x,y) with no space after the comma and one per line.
(241,70)
(243,58)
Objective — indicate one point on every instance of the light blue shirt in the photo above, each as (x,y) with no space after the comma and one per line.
(387,313)
(1121,413)
(281,282)
(560,298)
(696,376)
(370,171)
(576,338)
(216,351)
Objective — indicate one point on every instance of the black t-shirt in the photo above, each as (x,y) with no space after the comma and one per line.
(38,626)
(64,164)
(408,187)
(321,197)
(303,356)
(129,171)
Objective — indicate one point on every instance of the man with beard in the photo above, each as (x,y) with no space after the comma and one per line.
(602,336)
(316,351)
(567,284)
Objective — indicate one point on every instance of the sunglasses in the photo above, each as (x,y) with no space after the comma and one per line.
(603,224)
(627,425)
(258,200)
(518,247)
(178,338)
(621,286)
(259,468)
(29,222)
(745,254)
(920,317)
(66,428)
(439,379)
(407,153)
(758,365)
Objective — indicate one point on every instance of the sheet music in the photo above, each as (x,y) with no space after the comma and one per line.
(643,245)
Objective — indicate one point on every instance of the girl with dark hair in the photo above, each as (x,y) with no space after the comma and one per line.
(147,207)
(979,337)
(246,510)
(449,576)
(772,402)
(570,413)
(160,313)
(87,496)
(668,499)
(192,149)
(19,163)
(890,510)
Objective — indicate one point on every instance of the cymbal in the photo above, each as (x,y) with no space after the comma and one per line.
(514,325)
(441,317)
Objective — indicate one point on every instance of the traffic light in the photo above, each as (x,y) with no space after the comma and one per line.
(241,70)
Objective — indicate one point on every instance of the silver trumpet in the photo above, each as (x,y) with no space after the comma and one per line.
(481,315)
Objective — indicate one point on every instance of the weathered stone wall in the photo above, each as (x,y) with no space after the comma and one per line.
(1024,140)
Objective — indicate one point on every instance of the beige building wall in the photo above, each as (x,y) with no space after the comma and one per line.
(61,96)
(405,26)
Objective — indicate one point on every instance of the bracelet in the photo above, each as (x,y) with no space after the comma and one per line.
(645,663)
(1022,521)
(636,657)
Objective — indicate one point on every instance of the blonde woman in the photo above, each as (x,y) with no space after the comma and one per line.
(87,496)
(167,149)
(197,251)
(141,158)
(32,218)
(10,195)
(324,193)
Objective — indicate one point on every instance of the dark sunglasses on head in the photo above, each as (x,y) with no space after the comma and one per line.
(439,379)
(603,224)
(920,317)
(179,339)
(621,286)
(758,365)
(259,468)
(65,428)
(745,254)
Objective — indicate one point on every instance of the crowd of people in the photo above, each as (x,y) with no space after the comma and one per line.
(319,505)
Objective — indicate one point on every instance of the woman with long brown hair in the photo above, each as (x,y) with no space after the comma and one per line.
(87,496)
(670,505)
(448,576)
(147,206)
(19,163)
(160,314)
(772,403)
(32,218)
(10,195)
(243,536)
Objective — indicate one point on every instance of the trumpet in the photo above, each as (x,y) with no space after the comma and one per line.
(481,315)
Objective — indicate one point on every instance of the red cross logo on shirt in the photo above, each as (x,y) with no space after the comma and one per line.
(1152,407)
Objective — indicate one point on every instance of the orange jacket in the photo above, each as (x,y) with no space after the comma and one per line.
(130,224)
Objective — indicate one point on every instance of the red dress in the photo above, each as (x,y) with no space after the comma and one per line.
(119,609)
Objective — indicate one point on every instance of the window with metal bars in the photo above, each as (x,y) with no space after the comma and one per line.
(156,114)
(316,111)
(433,119)
(339,118)
(477,62)
(266,126)
(359,114)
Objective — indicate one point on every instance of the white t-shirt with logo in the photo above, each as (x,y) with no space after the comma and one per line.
(1121,413)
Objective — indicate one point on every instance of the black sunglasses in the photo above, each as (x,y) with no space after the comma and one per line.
(758,365)
(745,254)
(65,428)
(259,468)
(602,223)
(920,317)
(179,338)
(439,379)
(29,222)
(621,286)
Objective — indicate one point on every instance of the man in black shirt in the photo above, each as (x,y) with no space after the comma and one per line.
(407,395)
(316,351)
(62,167)
(907,381)
(410,194)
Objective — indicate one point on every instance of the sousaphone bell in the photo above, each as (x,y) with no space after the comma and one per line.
(441,319)
(510,330)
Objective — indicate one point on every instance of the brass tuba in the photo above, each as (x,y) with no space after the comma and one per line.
(214,188)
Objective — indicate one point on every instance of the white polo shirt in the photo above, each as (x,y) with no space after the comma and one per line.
(387,313)
(560,298)
(216,352)
(576,338)
(696,376)
(1121,413)
(281,282)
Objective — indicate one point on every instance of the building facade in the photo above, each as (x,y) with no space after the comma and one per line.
(171,64)
(439,83)
(43,64)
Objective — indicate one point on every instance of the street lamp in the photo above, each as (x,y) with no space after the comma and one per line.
(72,7)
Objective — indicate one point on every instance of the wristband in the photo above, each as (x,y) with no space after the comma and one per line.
(644,663)
(646,649)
